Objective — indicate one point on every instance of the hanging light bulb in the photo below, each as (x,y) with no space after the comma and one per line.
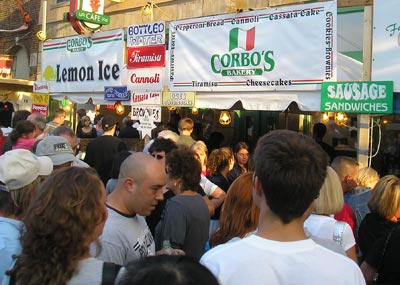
(147,10)
(325,117)
(225,118)
(341,118)
(195,111)
(119,108)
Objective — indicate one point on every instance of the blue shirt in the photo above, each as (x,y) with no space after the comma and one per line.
(9,243)
(357,199)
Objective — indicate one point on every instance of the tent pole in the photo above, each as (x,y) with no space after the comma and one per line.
(363,120)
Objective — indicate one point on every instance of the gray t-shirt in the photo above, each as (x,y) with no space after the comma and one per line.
(185,223)
(89,272)
(125,238)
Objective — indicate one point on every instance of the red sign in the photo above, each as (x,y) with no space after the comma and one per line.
(42,109)
(146,56)
(6,63)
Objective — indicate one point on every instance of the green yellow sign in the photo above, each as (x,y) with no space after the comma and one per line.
(40,99)
(178,99)
(363,97)
(92,17)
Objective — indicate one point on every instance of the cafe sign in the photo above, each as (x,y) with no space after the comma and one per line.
(87,15)
(362,97)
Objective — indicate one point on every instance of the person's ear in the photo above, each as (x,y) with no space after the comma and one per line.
(257,187)
(129,185)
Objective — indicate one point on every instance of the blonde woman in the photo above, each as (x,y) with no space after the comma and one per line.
(320,223)
(384,204)
(367,177)
(358,198)
(200,148)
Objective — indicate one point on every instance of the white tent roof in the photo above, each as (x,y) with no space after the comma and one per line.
(348,70)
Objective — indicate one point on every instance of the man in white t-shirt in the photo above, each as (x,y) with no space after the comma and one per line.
(289,171)
(139,189)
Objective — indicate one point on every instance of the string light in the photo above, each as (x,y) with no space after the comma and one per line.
(119,108)
(341,118)
(225,118)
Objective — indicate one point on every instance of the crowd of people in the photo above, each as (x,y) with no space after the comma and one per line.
(288,212)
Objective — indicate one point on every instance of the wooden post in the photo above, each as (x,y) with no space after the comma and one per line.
(363,120)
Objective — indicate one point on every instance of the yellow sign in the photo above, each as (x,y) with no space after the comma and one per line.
(40,99)
(178,99)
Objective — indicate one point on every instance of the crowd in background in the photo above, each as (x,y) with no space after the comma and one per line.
(189,211)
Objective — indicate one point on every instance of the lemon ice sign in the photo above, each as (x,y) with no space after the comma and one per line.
(368,97)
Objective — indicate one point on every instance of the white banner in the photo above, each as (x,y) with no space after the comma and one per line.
(84,63)
(386,42)
(284,48)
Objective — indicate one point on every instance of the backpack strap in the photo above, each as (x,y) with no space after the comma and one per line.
(110,272)
(338,232)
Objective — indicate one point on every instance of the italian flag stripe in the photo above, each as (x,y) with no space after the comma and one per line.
(239,38)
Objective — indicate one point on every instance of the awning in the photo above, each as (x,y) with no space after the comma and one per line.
(7,85)
(348,69)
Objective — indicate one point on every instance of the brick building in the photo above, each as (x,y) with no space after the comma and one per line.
(22,44)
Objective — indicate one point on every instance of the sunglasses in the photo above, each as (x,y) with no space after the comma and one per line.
(157,156)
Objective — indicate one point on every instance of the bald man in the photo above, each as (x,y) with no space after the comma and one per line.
(139,189)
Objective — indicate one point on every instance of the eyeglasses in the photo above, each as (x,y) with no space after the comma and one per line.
(157,156)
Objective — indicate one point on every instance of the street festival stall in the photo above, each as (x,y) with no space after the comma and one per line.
(266,59)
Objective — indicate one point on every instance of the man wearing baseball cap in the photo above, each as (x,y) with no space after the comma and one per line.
(20,176)
(57,149)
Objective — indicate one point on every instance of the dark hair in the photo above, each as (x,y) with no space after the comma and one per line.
(319,130)
(81,113)
(60,224)
(182,163)
(19,116)
(21,128)
(7,206)
(118,160)
(291,168)
(97,118)
(239,146)
(162,144)
(167,270)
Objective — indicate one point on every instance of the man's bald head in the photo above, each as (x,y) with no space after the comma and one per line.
(138,166)
(140,184)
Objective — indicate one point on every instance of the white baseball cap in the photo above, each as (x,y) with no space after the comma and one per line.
(20,167)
